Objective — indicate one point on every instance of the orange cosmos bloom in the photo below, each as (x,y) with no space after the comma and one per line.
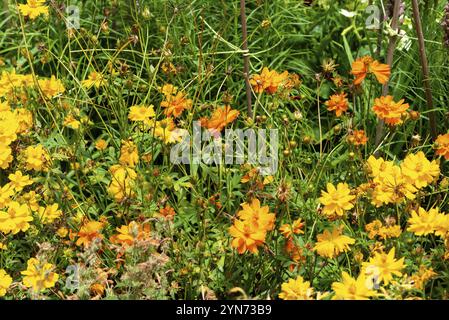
(338,103)
(256,215)
(246,237)
(358,137)
(220,118)
(365,65)
(288,230)
(389,110)
(443,146)
(176,104)
(268,81)
(89,232)
(128,234)
(168,213)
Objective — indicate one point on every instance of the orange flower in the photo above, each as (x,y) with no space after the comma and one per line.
(220,118)
(358,137)
(365,65)
(128,234)
(89,232)
(168,212)
(176,104)
(443,146)
(247,237)
(338,103)
(268,81)
(288,230)
(389,110)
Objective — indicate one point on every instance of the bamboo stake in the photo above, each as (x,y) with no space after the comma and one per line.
(425,69)
(246,57)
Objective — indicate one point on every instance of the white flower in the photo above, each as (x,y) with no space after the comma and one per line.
(348,14)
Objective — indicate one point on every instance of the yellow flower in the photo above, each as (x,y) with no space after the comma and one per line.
(166,131)
(51,87)
(36,158)
(168,90)
(5,156)
(39,275)
(129,155)
(122,182)
(336,200)
(62,232)
(352,289)
(422,222)
(5,282)
(33,8)
(24,118)
(6,192)
(49,213)
(94,79)
(376,228)
(101,144)
(331,244)
(16,219)
(19,181)
(142,113)
(419,171)
(391,186)
(71,122)
(296,289)
(385,266)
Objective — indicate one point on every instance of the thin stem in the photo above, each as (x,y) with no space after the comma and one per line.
(390,55)
(245,57)
(425,68)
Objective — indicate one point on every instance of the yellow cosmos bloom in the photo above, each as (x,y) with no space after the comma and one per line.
(336,200)
(49,214)
(419,171)
(352,289)
(424,222)
(296,289)
(39,275)
(5,282)
(33,9)
(15,219)
(331,244)
(51,87)
(19,181)
(94,79)
(129,155)
(385,266)
(142,113)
